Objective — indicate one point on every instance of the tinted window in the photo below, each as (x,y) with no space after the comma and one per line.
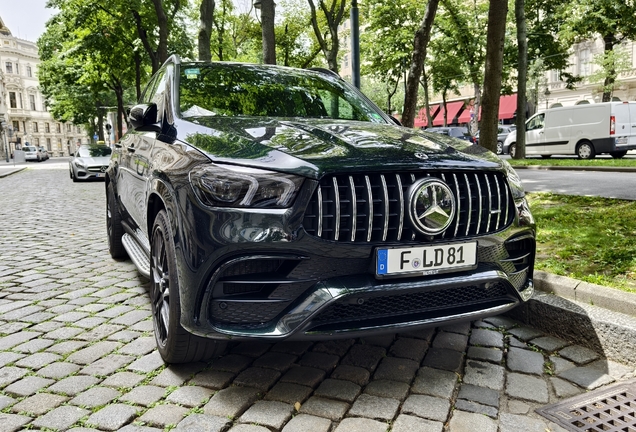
(249,90)
(94,151)
(29,149)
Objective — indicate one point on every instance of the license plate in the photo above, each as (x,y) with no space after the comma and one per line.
(425,260)
(101,175)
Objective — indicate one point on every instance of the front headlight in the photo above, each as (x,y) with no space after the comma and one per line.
(233,186)
(80,163)
(514,181)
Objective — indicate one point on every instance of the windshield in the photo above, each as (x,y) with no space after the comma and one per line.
(94,151)
(29,149)
(253,90)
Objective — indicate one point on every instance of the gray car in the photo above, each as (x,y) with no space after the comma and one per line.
(89,162)
(502,133)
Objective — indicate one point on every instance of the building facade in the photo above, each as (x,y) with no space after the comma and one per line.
(23,105)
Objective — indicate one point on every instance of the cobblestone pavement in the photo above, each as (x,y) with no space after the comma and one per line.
(77,350)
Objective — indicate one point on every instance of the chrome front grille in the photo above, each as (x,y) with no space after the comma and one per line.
(373,208)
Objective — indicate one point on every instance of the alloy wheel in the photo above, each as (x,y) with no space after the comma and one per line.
(160,287)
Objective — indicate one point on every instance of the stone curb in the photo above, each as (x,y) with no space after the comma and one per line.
(600,318)
(576,168)
(4,171)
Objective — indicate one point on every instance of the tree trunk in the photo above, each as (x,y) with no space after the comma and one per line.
(474,120)
(427,108)
(162,24)
(205,29)
(445,107)
(609,41)
(492,77)
(522,78)
(269,38)
(422,36)
(138,74)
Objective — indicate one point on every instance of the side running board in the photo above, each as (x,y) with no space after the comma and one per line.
(137,254)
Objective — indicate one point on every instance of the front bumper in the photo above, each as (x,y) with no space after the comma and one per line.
(90,172)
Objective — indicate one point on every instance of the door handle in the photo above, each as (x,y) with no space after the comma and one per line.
(131,149)
(118,145)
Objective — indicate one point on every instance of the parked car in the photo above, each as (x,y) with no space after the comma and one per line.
(502,134)
(267,203)
(44,153)
(460,132)
(89,162)
(32,153)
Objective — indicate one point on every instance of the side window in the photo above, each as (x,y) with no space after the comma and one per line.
(337,107)
(158,91)
(536,123)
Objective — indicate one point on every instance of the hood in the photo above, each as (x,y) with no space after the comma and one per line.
(90,161)
(314,147)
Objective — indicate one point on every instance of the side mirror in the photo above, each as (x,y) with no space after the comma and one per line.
(396,121)
(143,118)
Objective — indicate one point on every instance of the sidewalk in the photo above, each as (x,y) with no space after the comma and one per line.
(7,170)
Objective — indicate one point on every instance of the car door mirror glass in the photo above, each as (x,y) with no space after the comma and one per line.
(143,118)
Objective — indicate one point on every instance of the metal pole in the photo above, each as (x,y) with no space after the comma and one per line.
(355,44)
(6,144)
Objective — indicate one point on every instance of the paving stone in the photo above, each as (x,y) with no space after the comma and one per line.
(525,333)
(549,343)
(484,375)
(587,377)
(289,393)
(70,317)
(274,360)
(112,417)
(484,324)
(189,396)
(99,333)
(58,370)
(338,389)
(251,349)
(462,421)
(474,407)
(9,374)
(306,376)
(434,382)
(112,312)
(124,336)
(139,346)
(13,422)
(388,389)
(143,326)
(384,341)
(37,360)
(487,338)
(526,387)
(10,357)
(578,354)
(144,395)
(613,369)
(232,363)
(164,415)
(446,359)
(202,423)
(27,386)
(502,322)
(354,374)
(295,348)
(563,389)
(6,401)
(514,342)
(107,365)
(461,328)
(365,356)
(518,407)
(39,403)
(429,407)
(268,413)
(67,347)
(375,407)
(307,423)
(451,341)
(147,363)
(360,425)
(231,402)
(131,317)
(326,362)
(61,417)
(526,361)
(259,378)
(327,408)
(248,428)
(518,423)
(73,385)
(93,353)
(396,369)
(34,346)
(213,379)
(560,365)
(408,423)
(409,348)
(338,347)
(494,355)
(481,395)
(89,322)
(95,397)
(123,380)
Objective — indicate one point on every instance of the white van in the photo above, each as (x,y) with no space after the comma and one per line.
(582,130)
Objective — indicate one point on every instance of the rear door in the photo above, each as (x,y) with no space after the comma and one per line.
(632,124)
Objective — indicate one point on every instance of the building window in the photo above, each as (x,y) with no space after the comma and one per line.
(69,127)
(29,73)
(35,127)
(584,62)
(17,68)
(32,102)
(20,100)
(555,76)
(47,129)
(59,144)
(16,126)
(12,100)
(58,127)
(36,141)
(9,67)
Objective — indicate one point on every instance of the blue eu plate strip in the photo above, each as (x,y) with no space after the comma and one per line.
(382,261)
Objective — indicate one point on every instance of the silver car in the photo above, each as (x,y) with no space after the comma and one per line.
(32,153)
(89,162)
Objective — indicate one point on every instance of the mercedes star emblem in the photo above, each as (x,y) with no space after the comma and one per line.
(431,205)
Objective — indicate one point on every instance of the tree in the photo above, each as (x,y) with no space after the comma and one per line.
(609,65)
(522,77)
(420,41)
(206,13)
(269,36)
(492,78)
(332,12)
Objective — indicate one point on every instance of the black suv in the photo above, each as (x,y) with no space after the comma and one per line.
(269,203)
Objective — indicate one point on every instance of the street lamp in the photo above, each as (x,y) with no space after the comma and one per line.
(546,93)
(3,125)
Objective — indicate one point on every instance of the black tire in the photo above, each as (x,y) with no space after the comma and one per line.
(174,343)
(546,156)
(499,147)
(114,227)
(74,177)
(585,150)
(512,150)
(618,154)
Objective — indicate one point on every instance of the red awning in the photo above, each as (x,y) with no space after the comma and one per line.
(452,108)
(507,106)
(421,120)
